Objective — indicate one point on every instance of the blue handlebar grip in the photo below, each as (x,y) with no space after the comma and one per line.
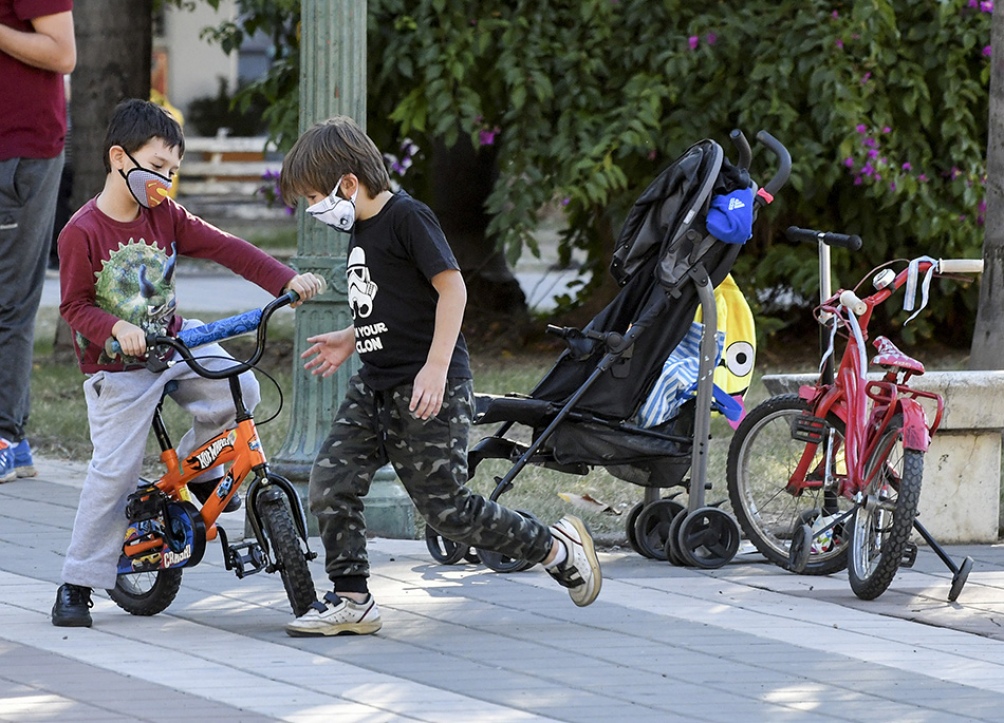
(222,329)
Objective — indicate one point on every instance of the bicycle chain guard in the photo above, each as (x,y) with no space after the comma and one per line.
(162,533)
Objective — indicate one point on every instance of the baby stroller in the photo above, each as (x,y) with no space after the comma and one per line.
(583,413)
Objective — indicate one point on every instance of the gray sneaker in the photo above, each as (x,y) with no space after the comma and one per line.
(335,615)
(580,572)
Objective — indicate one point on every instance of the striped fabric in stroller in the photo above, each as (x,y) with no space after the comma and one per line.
(736,350)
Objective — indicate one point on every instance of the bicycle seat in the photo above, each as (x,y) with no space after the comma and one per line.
(890,356)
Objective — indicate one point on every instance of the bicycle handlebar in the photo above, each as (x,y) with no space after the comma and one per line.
(960,266)
(853,302)
(808,235)
(215,331)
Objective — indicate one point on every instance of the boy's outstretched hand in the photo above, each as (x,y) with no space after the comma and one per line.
(307,286)
(329,351)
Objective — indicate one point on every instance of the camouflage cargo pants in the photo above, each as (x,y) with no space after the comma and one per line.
(430,458)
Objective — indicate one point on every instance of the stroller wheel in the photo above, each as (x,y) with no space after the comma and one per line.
(652,527)
(629,528)
(502,563)
(443,550)
(673,544)
(708,538)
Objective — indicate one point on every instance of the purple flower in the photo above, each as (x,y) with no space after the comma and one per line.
(906,166)
(565,201)
(868,143)
(858,181)
(987,7)
(711,38)
(974,3)
(866,77)
(849,162)
(892,186)
(987,51)
(922,178)
(840,43)
(868,170)
(861,128)
(834,15)
(872,153)
(887,129)
(487,137)
(692,41)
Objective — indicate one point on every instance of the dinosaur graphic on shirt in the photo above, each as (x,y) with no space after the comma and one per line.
(136,283)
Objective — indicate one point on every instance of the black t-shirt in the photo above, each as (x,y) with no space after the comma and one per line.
(392,257)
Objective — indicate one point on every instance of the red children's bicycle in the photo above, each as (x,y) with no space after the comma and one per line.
(830,477)
(168,533)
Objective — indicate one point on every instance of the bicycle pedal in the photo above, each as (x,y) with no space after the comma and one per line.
(145,504)
(808,429)
(245,558)
(909,555)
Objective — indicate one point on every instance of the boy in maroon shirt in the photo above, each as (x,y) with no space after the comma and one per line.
(117,262)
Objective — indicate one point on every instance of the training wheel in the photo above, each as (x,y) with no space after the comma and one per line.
(800,549)
(443,550)
(651,529)
(959,579)
(708,538)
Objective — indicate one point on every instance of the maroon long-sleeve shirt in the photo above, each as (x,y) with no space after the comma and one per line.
(110,270)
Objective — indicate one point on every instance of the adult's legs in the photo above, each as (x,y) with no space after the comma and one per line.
(28,189)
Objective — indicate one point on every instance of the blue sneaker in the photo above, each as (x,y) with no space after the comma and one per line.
(7,472)
(24,465)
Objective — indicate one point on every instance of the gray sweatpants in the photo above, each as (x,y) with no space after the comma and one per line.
(120,408)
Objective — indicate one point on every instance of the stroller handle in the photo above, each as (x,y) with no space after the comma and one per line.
(743,146)
(784,162)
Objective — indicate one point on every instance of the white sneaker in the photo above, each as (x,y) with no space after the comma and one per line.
(580,572)
(335,615)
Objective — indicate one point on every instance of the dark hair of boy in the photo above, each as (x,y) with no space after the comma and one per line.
(135,122)
(326,152)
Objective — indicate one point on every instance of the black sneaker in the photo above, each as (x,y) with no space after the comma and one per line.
(202,491)
(73,607)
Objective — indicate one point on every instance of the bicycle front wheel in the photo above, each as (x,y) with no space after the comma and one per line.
(883,522)
(763,455)
(291,558)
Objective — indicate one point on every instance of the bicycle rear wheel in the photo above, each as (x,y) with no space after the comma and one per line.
(883,523)
(763,455)
(146,593)
(291,558)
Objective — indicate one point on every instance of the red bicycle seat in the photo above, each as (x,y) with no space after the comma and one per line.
(890,356)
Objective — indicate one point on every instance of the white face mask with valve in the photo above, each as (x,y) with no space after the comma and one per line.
(335,211)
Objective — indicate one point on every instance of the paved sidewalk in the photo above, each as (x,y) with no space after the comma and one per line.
(745,643)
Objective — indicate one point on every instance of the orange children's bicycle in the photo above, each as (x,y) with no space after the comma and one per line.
(830,477)
(168,533)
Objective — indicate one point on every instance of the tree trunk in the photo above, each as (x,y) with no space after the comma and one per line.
(462,178)
(988,342)
(114,47)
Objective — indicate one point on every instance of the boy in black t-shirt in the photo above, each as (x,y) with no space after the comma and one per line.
(411,402)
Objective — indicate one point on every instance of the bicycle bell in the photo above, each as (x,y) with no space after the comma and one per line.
(883,278)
